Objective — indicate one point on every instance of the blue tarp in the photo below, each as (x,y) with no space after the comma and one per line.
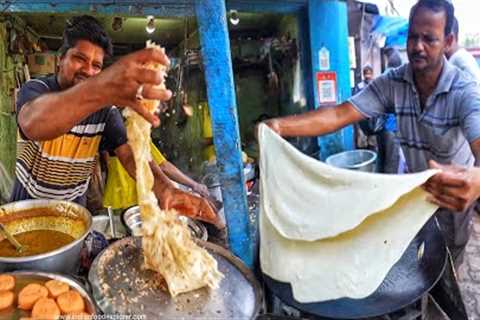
(395,30)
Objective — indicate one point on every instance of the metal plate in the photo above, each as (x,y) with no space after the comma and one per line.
(412,276)
(25,277)
(121,286)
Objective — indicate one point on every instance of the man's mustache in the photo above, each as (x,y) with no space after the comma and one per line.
(418,56)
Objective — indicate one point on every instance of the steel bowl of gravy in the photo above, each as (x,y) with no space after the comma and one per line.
(51,233)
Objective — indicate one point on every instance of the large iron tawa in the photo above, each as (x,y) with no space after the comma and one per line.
(122,286)
(417,271)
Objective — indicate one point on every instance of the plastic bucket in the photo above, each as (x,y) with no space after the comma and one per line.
(361,160)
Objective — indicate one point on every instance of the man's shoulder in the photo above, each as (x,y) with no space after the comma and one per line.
(48,83)
(461,79)
(461,54)
(463,60)
(393,76)
(397,74)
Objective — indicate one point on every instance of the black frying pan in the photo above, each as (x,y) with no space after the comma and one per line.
(405,283)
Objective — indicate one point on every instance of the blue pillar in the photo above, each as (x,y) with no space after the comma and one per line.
(212,24)
(328,20)
(305,55)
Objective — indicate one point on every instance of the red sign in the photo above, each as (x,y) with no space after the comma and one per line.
(327,87)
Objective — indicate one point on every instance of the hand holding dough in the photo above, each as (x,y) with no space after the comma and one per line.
(341,231)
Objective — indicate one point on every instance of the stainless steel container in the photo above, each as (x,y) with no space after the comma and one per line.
(133,222)
(360,160)
(65,259)
(101,223)
(26,277)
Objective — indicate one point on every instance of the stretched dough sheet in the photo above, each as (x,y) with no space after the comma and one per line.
(356,259)
(167,242)
(307,200)
(353,264)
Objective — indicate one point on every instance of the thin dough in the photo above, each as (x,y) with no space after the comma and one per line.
(354,263)
(308,200)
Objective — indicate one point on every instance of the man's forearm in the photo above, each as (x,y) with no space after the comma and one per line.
(176,175)
(161,181)
(162,187)
(318,122)
(53,114)
(125,155)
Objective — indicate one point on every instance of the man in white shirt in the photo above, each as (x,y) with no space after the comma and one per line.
(460,57)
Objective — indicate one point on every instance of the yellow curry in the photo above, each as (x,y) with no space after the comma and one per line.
(35,242)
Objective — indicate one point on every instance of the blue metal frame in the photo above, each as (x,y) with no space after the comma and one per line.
(159,8)
(305,55)
(179,8)
(314,17)
(215,43)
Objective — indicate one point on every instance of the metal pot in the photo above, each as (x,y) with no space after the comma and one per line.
(133,221)
(64,259)
(101,223)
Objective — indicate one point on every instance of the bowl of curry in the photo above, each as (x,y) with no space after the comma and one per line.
(51,233)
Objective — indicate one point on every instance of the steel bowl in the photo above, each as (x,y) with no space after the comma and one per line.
(101,223)
(16,218)
(133,222)
(25,277)
(360,160)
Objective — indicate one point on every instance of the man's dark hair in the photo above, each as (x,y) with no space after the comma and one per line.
(436,6)
(85,28)
(455,27)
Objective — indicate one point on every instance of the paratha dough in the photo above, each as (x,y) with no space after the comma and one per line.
(320,266)
(307,200)
(167,242)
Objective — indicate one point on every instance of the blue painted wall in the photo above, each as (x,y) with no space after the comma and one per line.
(215,44)
(328,21)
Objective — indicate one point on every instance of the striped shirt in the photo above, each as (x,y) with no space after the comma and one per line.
(441,131)
(61,168)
